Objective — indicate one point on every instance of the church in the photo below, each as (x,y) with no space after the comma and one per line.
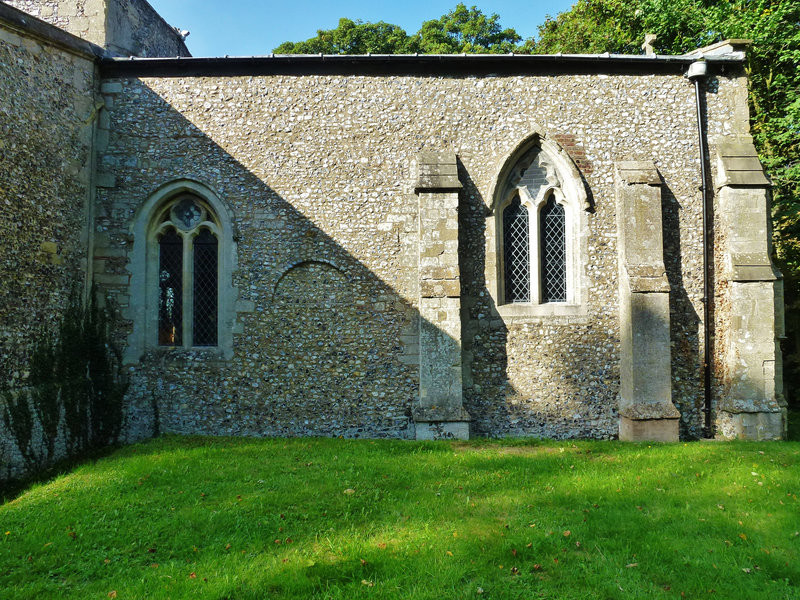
(418,247)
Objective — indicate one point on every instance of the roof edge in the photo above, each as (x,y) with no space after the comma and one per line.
(408,64)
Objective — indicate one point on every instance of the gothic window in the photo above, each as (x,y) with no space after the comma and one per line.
(537,234)
(186,239)
(182,264)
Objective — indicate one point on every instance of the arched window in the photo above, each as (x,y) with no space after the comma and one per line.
(536,234)
(182,264)
(185,234)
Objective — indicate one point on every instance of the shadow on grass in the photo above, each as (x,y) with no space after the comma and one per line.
(10,489)
(326,518)
(794,426)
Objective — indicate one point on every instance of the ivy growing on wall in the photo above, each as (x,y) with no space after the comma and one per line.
(76,388)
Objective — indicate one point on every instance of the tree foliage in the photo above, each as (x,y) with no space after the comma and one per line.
(460,30)
(353,37)
(465,30)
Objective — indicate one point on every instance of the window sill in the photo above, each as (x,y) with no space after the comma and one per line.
(560,311)
(179,353)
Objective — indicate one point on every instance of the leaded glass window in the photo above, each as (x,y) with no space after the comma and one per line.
(188,275)
(170,292)
(204,317)
(553,252)
(516,250)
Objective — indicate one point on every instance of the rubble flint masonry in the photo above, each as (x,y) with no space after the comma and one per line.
(411,247)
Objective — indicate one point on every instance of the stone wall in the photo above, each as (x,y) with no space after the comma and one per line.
(123,27)
(47,121)
(319,171)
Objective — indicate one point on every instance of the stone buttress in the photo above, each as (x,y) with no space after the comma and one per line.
(646,411)
(752,404)
(439,412)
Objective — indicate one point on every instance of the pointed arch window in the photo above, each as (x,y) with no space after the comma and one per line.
(186,236)
(538,222)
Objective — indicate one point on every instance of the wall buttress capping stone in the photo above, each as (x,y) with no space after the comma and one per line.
(645,405)
(439,412)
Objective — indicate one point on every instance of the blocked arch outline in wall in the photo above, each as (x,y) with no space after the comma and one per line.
(287,268)
(566,185)
(143,290)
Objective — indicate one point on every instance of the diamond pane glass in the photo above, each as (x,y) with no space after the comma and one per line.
(553,239)
(170,289)
(204,325)
(516,246)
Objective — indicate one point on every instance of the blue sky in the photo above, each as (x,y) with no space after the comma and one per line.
(255,27)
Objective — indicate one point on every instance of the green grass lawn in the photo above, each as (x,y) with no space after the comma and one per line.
(323,518)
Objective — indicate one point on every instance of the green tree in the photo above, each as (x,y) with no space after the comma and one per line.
(466,30)
(353,37)
(460,30)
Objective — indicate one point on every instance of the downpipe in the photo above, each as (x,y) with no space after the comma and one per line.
(696,74)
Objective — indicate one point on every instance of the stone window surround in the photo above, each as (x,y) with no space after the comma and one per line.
(566,185)
(144,270)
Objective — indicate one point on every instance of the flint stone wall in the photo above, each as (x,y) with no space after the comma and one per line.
(47,119)
(318,174)
(124,27)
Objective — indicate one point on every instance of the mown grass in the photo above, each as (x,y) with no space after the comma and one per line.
(321,518)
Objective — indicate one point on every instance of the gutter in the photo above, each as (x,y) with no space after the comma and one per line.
(442,65)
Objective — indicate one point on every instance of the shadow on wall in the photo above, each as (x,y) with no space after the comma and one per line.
(685,331)
(323,346)
(543,377)
(326,346)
